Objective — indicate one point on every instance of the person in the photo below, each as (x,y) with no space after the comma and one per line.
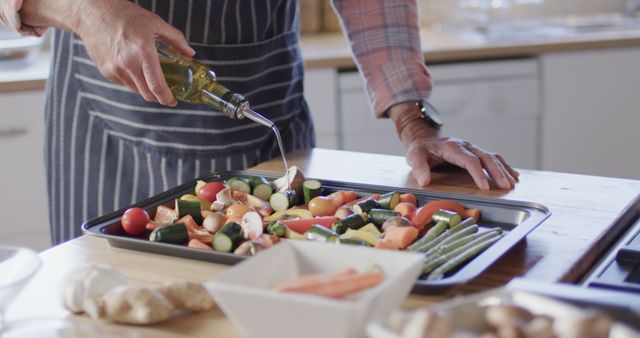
(115,133)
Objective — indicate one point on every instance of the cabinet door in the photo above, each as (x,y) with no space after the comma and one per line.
(495,105)
(592,112)
(320,91)
(23,202)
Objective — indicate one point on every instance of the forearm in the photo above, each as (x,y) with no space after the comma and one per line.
(385,40)
(65,14)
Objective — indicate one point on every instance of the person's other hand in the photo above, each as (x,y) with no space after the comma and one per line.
(119,36)
(427,149)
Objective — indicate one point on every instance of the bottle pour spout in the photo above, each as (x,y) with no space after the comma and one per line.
(255,117)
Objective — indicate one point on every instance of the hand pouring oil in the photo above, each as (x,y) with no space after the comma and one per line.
(192,82)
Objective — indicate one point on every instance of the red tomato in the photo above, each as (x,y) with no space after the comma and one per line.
(134,221)
(210,190)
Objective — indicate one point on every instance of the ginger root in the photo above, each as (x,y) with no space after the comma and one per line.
(101,291)
(187,296)
(130,305)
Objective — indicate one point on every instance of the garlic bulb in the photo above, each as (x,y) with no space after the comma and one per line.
(89,282)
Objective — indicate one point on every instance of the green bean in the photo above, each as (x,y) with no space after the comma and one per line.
(462,257)
(436,259)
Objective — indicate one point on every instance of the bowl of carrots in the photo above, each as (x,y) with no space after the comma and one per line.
(308,289)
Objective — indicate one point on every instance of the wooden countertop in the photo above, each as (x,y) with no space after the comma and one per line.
(584,209)
(332,49)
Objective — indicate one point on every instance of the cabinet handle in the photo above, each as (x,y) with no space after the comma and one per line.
(12,131)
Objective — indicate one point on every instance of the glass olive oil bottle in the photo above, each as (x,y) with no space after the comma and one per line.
(192,82)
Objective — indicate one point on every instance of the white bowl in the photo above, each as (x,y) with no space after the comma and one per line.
(17,266)
(245,293)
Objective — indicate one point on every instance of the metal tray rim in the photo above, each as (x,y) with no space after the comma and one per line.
(537,214)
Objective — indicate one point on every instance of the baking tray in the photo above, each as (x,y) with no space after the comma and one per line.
(516,218)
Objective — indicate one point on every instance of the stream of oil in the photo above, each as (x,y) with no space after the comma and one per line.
(284,158)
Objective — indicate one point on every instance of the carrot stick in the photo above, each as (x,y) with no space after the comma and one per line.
(204,238)
(384,244)
(303,282)
(401,236)
(152,225)
(340,285)
(303,225)
(466,213)
(348,285)
(194,243)
(422,215)
(404,208)
(340,197)
(358,200)
(409,198)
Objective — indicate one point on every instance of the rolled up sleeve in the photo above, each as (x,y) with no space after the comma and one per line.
(385,40)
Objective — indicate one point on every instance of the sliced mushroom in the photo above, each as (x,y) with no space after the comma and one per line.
(343,212)
(296,179)
(224,198)
(213,222)
(249,248)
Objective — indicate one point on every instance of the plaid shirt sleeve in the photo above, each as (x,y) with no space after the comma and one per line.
(385,40)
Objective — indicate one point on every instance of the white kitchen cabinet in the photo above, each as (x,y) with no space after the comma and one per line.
(23,202)
(321,93)
(494,104)
(592,112)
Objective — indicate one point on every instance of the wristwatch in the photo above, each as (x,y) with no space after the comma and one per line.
(430,114)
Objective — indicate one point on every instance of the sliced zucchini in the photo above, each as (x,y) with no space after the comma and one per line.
(189,207)
(239,184)
(354,221)
(171,233)
(379,216)
(389,200)
(366,205)
(255,181)
(282,200)
(352,241)
(321,234)
(263,191)
(228,238)
(277,228)
(450,217)
(311,189)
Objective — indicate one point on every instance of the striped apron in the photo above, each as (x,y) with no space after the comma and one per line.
(107,148)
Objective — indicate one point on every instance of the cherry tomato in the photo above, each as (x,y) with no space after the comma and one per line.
(210,190)
(134,221)
(321,206)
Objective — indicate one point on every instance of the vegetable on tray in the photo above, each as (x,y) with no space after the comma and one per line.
(248,214)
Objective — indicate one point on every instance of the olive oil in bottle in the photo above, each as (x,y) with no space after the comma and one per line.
(192,82)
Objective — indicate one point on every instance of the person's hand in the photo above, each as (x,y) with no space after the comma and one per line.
(427,149)
(120,38)
(10,17)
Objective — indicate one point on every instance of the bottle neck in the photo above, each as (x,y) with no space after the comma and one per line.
(230,104)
